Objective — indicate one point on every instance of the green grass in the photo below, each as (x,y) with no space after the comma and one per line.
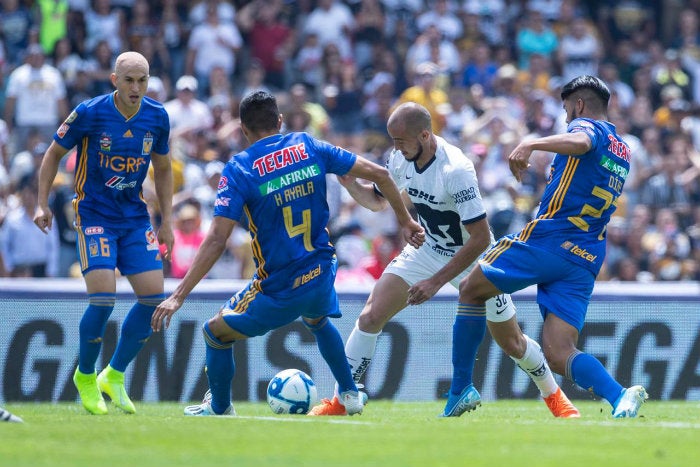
(500,433)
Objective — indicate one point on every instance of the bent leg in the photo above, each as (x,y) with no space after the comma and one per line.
(387,298)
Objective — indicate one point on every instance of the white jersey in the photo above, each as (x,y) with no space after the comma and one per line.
(445,193)
(446,196)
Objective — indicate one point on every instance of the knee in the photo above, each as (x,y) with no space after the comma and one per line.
(370,321)
(512,343)
(556,358)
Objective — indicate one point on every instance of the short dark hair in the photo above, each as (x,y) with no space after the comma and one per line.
(259,112)
(598,88)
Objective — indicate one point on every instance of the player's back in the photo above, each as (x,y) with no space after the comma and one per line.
(581,196)
(278,188)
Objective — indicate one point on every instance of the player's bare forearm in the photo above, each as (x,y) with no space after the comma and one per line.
(573,144)
(163,182)
(363,193)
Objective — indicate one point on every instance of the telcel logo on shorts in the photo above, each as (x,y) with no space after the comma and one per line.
(307,277)
(578,251)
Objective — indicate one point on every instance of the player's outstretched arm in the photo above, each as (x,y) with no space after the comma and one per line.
(43,217)
(573,144)
(208,253)
(411,231)
(363,193)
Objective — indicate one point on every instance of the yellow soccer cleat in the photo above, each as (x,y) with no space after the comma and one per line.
(90,395)
(111,382)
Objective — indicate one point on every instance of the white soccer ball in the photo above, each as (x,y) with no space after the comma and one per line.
(291,391)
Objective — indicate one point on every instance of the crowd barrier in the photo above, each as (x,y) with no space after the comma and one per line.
(645,334)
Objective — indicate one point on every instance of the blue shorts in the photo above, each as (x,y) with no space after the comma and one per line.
(563,288)
(252,313)
(132,249)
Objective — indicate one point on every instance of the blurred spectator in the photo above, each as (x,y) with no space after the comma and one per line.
(99,68)
(480,68)
(188,237)
(385,247)
(173,32)
(307,61)
(535,37)
(332,22)
(430,46)
(368,33)
(271,40)
(579,51)
(187,113)
(426,93)
(67,61)
(35,98)
(441,15)
(15,26)
(670,72)
(212,43)
(53,22)
(664,188)
(619,90)
(105,23)
(26,251)
(668,246)
(225,11)
(319,120)
(342,99)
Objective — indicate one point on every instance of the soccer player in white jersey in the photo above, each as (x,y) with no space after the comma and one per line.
(441,183)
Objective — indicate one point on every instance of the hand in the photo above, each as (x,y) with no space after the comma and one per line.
(518,160)
(163,313)
(413,234)
(43,218)
(422,291)
(167,238)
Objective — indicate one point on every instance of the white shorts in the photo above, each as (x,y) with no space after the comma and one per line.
(414,265)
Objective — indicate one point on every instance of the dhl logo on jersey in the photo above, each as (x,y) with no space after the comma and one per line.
(128,164)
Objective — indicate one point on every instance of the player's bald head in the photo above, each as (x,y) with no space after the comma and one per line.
(412,117)
(129,62)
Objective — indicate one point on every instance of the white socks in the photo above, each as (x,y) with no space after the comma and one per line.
(534,364)
(359,350)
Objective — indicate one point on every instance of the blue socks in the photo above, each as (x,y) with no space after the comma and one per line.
(331,346)
(467,333)
(92,328)
(586,371)
(136,329)
(220,370)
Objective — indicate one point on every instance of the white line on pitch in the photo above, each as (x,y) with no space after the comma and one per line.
(303,420)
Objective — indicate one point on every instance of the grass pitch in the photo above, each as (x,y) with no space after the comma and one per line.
(391,434)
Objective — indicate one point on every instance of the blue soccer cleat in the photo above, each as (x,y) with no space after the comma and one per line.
(468,400)
(629,402)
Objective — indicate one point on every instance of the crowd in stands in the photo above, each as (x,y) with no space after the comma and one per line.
(489,71)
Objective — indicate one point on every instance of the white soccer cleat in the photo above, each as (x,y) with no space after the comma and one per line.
(204,409)
(354,401)
(7,416)
(629,402)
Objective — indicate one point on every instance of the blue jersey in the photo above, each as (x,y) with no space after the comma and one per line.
(278,186)
(113,156)
(580,197)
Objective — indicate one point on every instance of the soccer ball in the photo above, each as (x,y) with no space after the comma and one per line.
(291,391)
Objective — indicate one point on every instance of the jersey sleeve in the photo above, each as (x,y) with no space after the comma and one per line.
(336,159)
(582,125)
(73,127)
(162,146)
(229,200)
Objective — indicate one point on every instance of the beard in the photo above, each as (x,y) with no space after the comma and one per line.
(418,153)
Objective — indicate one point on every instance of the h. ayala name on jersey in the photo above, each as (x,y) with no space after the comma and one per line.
(280,159)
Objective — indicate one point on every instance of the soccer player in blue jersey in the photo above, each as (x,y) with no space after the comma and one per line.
(563,248)
(278,187)
(117,136)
